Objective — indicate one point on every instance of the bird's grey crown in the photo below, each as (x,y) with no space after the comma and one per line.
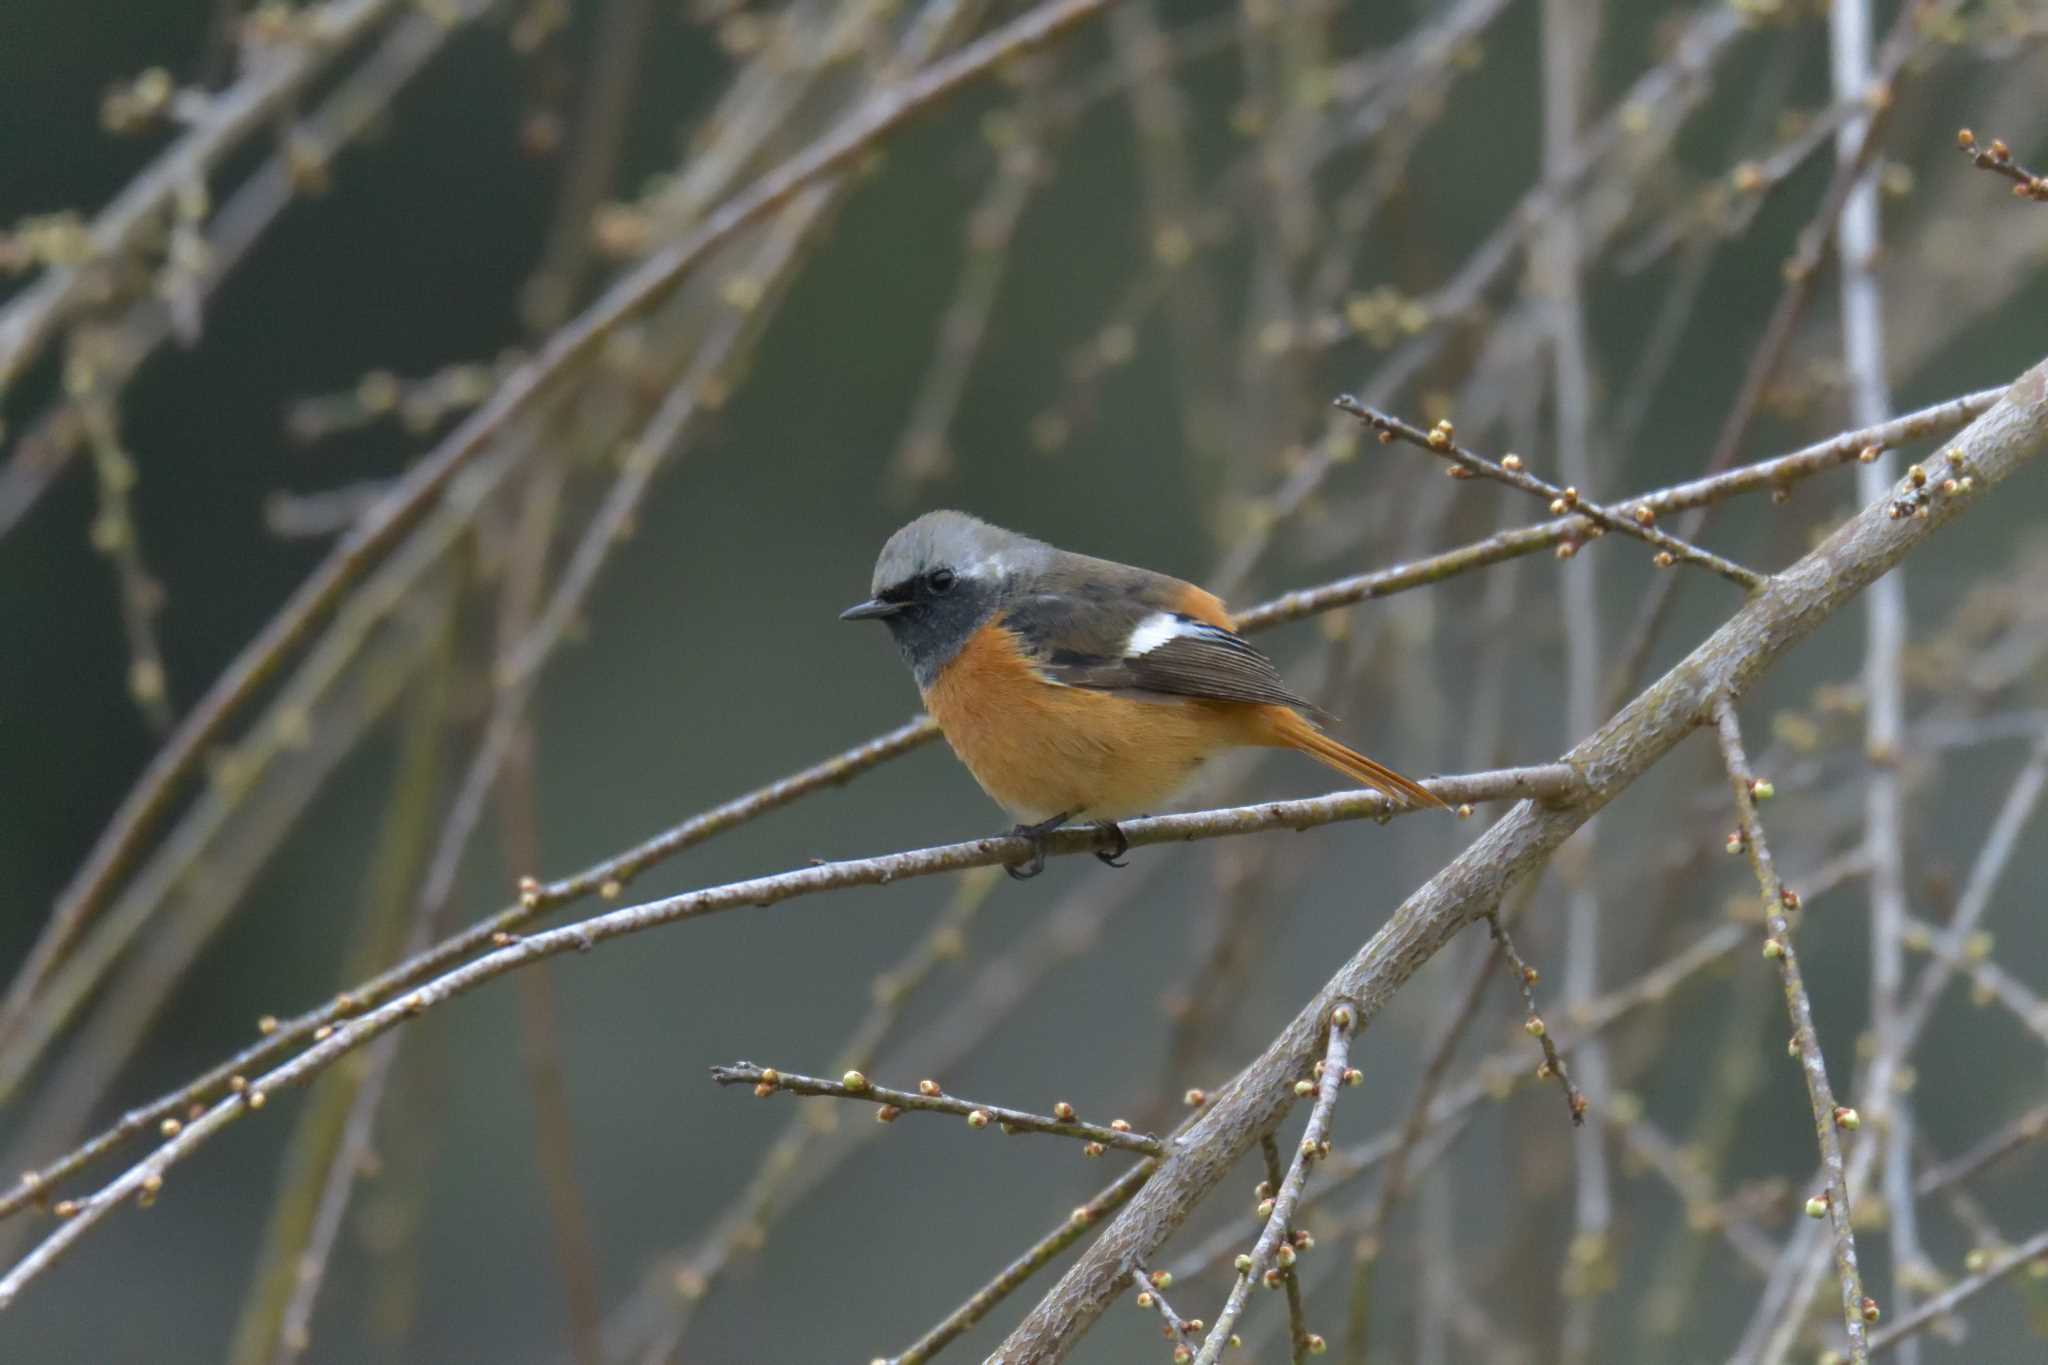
(952,540)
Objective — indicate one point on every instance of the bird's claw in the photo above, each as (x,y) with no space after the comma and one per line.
(1025,871)
(1112,857)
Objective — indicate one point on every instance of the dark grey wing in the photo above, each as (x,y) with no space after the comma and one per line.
(1131,645)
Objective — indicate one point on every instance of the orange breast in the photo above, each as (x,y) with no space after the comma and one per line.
(1043,750)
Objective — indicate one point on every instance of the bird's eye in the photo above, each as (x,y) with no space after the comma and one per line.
(940,580)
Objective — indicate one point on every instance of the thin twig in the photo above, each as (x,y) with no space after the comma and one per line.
(224,121)
(1801,1263)
(1493,1080)
(1562,499)
(1794,604)
(2000,843)
(1553,1061)
(1297,1316)
(2013,1258)
(929,1098)
(1393,1185)
(1997,158)
(789,1164)
(367,92)
(608,875)
(1570,36)
(1991,981)
(2012,1136)
(1801,274)
(1151,1286)
(611,875)
(1262,1265)
(1858,240)
(1035,1258)
(850,138)
(1828,1117)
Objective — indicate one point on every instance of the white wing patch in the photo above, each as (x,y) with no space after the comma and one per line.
(1156,629)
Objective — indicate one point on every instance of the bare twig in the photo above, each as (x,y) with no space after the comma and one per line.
(1297,1315)
(1553,1061)
(1151,1286)
(1393,1185)
(2013,1258)
(1267,1262)
(1857,243)
(1787,610)
(1828,1117)
(224,122)
(880,116)
(929,1098)
(2011,1136)
(1801,275)
(1989,980)
(1553,783)
(1561,499)
(790,1164)
(120,347)
(2000,843)
(1997,158)
(1570,36)
(1035,1258)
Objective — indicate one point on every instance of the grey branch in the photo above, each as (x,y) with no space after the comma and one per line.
(1562,499)
(2012,1259)
(928,1098)
(1549,783)
(1788,609)
(1778,904)
(610,875)
(1262,1265)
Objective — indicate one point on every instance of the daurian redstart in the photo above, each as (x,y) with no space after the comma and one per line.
(1076,688)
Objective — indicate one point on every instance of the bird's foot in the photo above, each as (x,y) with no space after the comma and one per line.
(1025,871)
(1112,857)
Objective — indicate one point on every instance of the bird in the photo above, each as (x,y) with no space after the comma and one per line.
(1078,689)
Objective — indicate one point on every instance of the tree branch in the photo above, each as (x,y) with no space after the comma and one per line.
(1785,612)
(1548,783)
(928,1098)
(1562,499)
(1035,1258)
(651,281)
(2014,1258)
(1268,1263)
(1778,903)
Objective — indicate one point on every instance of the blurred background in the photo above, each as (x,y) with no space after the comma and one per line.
(1102,295)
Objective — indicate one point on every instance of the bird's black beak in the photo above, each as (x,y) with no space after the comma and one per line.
(871,609)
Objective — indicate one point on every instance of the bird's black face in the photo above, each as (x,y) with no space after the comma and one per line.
(931,613)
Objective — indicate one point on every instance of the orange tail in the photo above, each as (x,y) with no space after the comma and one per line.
(1288,729)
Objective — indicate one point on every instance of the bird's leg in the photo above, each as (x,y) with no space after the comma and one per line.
(1112,856)
(1036,834)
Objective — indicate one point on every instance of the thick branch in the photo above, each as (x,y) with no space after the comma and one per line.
(1785,612)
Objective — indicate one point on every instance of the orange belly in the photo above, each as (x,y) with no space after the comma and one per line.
(1042,750)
